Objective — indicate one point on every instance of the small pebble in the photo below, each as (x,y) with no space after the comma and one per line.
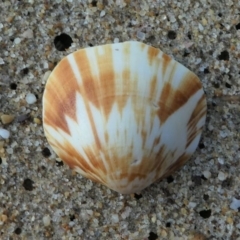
(37,121)
(140,35)
(71,224)
(5,118)
(222,176)
(46,220)
(31,98)
(116,40)
(4,133)
(229,220)
(183,211)
(115,218)
(1,144)
(153,219)
(223,134)
(197,236)
(27,34)
(200,27)
(235,204)
(221,160)
(22,117)
(192,204)
(45,65)
(17,40)
(3,218)
(238,226)
(207,174)
(164,233)
(4,161)
(45,76)
(102,13)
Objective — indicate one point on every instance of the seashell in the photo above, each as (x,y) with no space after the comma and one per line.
(123,114)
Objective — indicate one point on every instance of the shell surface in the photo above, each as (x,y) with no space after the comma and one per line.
(124,114)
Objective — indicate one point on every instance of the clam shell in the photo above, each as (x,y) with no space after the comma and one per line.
(124,114)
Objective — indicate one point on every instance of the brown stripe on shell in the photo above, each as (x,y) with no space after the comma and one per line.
(153,86)
(192,135)
(190,84)
(152,54)
(161,160)
(148,165)
(131,177)
(116,163)
(127,49)
(95,171)
(176,165)
(97,163)
(145,166)
(123,165)
(127,87)
(172,99)
(89,89)
(198,113)
(163,165)
(166,59)
(157,163)
(106,79)
(60,97)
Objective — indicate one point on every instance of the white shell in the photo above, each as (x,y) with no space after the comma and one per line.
(123,114)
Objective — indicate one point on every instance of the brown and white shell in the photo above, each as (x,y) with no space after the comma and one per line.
(124,114)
